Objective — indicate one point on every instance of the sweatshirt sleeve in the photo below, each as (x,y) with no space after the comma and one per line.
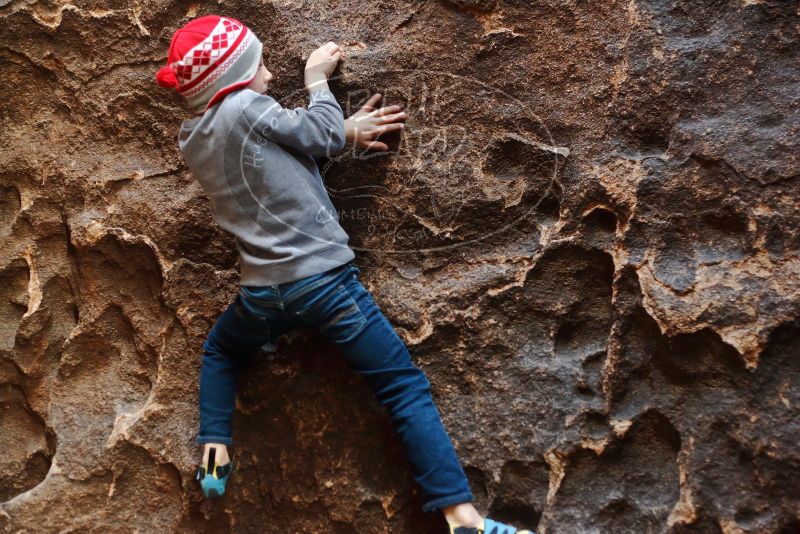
(317,131)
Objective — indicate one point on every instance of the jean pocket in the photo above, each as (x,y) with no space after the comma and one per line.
(337,316)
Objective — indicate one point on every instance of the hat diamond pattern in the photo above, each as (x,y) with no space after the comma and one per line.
(213,76)
(210,57)
(205,54)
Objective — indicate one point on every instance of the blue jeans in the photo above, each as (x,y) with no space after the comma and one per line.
(336,304)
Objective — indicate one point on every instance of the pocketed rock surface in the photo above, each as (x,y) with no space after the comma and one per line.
(587,235)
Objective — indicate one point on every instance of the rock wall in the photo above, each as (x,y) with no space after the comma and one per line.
(587,234)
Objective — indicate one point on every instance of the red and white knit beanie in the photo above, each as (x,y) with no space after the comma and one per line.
(208,58)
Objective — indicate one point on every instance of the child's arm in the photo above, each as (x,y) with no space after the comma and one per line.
(318,130)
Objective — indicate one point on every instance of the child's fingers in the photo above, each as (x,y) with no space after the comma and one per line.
(332,48)
(386,128)
(378,112)
(376,145)
(369,105)
(392,118)
(328,49)
(365,112)
(392,127)
(386,110)
(387,119)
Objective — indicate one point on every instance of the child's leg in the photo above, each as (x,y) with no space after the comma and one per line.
(346,314)
(236,335)
(217,396)
(380,355)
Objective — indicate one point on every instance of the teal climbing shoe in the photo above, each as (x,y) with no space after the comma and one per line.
(213,478)
(490,526)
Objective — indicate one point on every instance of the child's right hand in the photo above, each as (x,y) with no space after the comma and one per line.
(321,63)
(363,126)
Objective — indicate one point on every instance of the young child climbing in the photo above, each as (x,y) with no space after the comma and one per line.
(257,162)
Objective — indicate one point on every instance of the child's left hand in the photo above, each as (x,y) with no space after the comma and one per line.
(368,123)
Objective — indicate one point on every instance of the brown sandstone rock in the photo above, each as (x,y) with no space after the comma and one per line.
(587,234)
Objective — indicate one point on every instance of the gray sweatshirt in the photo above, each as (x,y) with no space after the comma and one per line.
(256,161)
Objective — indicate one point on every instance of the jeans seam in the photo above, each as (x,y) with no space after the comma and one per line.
(214,439)
(362,322)
(313,285)
(261,302)
(440,502)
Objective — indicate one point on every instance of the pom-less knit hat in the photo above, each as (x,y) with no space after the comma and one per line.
(208,58)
